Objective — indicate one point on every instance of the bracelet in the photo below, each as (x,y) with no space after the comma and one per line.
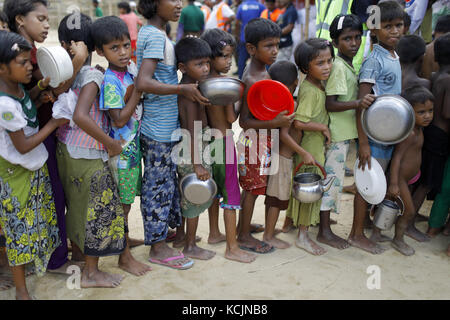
(39,85)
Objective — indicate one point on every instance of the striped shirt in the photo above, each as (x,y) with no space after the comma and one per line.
(74,136)
(160,116)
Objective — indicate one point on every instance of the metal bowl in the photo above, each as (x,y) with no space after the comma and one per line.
(389,120)
(222,91)
(197,191)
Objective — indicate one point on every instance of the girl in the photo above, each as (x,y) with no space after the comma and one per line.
(29,18)
(27,211)
(314,57)
(157,78)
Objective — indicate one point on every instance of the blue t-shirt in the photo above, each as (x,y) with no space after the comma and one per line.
(289,16)
(385,73)
(247,11)
(160,116)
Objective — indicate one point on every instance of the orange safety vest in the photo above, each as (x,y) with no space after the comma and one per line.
(206,12)
(220,19)
(273,15)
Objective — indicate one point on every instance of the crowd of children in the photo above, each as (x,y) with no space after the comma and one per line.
(77,179)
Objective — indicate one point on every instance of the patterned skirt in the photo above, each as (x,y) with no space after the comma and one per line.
(27,215)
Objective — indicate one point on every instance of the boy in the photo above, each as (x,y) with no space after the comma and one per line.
(262,39)
(411,50)
(193,61)
(405,164)
(132,21)
(120,99)
(279,184)
(438,136)
(286,21)
(380,72)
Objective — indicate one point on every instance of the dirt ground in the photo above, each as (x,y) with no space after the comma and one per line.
(284,274)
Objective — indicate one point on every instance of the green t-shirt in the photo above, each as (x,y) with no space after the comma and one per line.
(98,12)
(192,18)
(343,82)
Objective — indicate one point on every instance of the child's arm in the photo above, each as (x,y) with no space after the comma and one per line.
(287,139)
(364,153)
(314,126)
(230,113)
(120,117)
(333,105)
(25,144)
(35,92)
(394,169)
(146,83)
(83,120)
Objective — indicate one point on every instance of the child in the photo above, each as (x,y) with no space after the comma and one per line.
(224,173)
(120,99)
(279,184)
(380,72)
(437,136)
(312,118)
(29,18)
(95,221)
(157,78)
(132,21)
(262,37)
(405,164)
(341,102)
(27,212)
(411,50)
(4,21)
(193,61)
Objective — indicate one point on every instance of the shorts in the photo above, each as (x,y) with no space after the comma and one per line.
(279,184)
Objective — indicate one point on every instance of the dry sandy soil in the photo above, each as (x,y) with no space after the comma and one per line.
(284,274)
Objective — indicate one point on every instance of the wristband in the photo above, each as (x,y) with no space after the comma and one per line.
(39,85)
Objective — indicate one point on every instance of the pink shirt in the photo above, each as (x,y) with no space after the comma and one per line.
(132,20)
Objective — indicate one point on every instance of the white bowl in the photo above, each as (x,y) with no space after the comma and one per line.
(54,62)
(371,184)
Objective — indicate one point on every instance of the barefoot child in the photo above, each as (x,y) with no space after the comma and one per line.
(225,170)
(262,38)
(120,99)
(440,133)
(193,61)
(27,211)
(157,78)
(279,184)
(95,220)
(411,50)
(341,103)
(406,159)
(380,73)
(312,118)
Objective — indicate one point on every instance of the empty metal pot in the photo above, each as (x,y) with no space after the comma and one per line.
(197,191)
(222,91)
(309,187)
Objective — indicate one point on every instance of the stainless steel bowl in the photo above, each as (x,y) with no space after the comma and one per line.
(222,91)
(389,120)
(197,191)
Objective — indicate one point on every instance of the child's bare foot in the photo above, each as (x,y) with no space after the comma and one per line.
(6,282)
(365,244)
(213,239)
(23,295)
(378,237)
(100,279)
(402,247)
(329,238)
(288,225)
(129,264)
(177,243)
(239,255)
(433,232)
(63,268)
(304,242)
(195,252)
(256,228)
(414,233)
(277,243)
(135,242)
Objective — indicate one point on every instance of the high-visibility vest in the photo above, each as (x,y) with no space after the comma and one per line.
(273,15)
(206,12)
(327,10)
(220,18)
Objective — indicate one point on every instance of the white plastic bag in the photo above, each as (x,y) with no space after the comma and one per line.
(64,107)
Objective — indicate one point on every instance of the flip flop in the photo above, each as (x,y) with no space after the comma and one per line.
(255,249)
(165,262)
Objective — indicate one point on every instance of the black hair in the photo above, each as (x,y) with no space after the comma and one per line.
(284,71)
(410,48)
(8,41)
(351,21)
(191,48)
(14,8)
(390,10)
(4,17)
(308,50)
(68,31)
(442,49)
(124,5)
(417,94)
(406,20)
(107,29)
(147,8)
(443,24)
(259,29)
(271,1)
(218,40)
(168,29)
